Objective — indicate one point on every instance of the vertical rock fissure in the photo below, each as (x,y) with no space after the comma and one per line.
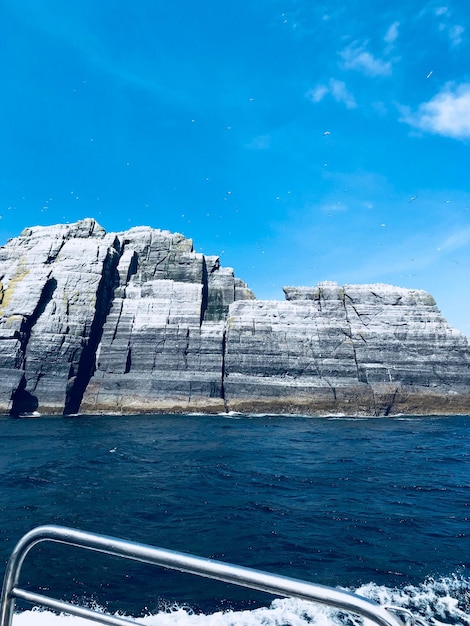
(390,403)
(128,365)
(361,376)
(205,290)
(222,381)
(374,400)
(86,367)
(333,389)
(185,351)
(44,299)
(21,400)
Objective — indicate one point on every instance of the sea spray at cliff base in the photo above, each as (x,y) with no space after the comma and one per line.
(137,321)
(380,506)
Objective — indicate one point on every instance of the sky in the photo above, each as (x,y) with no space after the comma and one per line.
(301,141)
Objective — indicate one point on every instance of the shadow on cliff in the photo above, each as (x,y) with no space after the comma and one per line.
(77,384)
(22,401)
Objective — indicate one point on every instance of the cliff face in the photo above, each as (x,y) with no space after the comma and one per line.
(137,321)
(356,349)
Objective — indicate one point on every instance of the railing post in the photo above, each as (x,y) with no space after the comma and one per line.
(226,572)
(12,574)
(7,601)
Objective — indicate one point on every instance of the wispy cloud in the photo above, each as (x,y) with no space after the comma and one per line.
(392,33)
(455,34)
(334,207)
(447,26)
(357,57)
(447,114)
(455,241)
(414,257)
(336,89)
(261,142)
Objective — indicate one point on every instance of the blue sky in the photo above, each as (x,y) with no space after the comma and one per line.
(301,141)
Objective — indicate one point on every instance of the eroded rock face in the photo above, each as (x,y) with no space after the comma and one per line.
(356,349)
(139,313)
(54,284)
(138,322)
(162,343)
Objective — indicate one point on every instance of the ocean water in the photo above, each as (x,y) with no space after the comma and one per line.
(380,506)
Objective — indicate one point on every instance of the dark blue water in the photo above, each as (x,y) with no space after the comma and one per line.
(335,501)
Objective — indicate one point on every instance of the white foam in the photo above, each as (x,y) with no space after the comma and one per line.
(437,602)
(279,613)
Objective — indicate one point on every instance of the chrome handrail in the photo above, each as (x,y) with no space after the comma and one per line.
(225,572)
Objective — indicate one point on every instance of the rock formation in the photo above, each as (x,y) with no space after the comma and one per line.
(138,322)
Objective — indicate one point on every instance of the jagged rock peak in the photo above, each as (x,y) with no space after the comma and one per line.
(85,228)
(75,300)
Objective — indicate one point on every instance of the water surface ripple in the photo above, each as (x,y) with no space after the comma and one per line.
(335,501)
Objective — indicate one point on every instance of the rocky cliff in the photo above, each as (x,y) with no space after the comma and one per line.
(138,322)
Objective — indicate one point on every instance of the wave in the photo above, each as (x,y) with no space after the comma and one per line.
(436,601)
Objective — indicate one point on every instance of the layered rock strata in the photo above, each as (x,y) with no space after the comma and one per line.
(356,349)
(139,322)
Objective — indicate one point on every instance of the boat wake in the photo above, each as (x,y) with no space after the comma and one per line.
(437,602)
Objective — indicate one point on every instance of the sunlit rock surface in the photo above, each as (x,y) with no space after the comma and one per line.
(138,322)
(162,342)
(356,349)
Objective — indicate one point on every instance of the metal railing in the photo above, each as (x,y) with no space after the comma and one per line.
(243,576)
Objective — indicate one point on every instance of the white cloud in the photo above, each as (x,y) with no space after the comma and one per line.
(336,89)
(341,94)
(444,24)
(317,94)
(448,113)
(392,33)
(455,34)
(358,58)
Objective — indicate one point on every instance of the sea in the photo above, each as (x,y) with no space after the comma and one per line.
(377,506)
